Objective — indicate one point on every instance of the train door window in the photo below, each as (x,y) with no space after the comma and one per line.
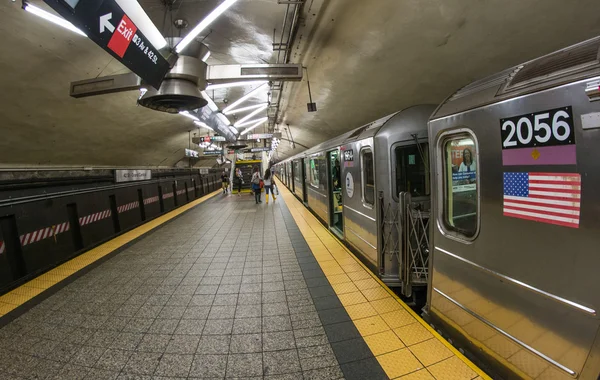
(314,171)
(412,173)
(368,176)
(461,176)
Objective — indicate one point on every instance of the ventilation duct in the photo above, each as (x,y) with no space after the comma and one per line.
(180,90)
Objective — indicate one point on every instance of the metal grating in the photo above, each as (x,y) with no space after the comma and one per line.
(557,63)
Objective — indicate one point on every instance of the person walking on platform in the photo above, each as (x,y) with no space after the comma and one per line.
(239,179)
(224,183)
(256,179)
(269,183)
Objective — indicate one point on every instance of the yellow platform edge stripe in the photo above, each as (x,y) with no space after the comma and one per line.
(25,292)
(457,353)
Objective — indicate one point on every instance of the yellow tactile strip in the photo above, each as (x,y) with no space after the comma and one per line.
(25,292)
(404,345)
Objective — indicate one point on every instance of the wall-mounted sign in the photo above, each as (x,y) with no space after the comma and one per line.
(129,175)
(191,153)
(349,185)
(203,170)
(213,152)
(262,149)
(105,23)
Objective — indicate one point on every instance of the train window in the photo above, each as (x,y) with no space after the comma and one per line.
(412,170)
(368,176)
(314,172)
(460,185)
(297,171)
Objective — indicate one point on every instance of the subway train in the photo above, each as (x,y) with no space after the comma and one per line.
(487,204)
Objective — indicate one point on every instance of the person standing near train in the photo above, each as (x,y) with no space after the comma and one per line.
(269,185)
(256,179)
(239,179)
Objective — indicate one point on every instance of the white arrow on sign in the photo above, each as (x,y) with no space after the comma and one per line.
(105,23)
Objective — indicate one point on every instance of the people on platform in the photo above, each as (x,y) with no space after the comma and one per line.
(239,179)
(256,179)
(224,182)
(269,185)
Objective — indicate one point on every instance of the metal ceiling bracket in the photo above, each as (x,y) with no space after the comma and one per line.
(290,2)
(105,85)
(270,72)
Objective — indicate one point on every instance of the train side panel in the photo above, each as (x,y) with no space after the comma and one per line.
(515,239)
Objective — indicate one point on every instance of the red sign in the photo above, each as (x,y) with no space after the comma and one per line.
(121,38)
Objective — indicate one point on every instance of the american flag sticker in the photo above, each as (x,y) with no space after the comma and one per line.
(543,197)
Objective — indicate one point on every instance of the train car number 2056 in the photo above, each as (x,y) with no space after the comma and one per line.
(545,128)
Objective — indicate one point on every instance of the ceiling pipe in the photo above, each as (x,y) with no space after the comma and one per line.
(286,57)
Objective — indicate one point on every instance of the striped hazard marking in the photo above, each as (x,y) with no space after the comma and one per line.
(154,199)
(84,220)
(35,236)
(47,232)
(128,206)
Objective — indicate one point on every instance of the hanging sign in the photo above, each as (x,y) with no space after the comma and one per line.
(262,149)
(105,23)
(191,153)
(212,152)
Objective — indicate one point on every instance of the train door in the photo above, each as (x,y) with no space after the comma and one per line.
(292,176)
(303,179)
(412,188)
(336,221)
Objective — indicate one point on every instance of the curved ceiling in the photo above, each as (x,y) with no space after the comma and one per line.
(365,59)
(368,59)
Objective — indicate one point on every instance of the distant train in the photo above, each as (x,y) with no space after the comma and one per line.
(489,204)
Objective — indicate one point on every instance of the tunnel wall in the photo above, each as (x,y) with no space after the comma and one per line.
(45,221)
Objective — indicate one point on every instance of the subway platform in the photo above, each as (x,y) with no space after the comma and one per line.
(222,288)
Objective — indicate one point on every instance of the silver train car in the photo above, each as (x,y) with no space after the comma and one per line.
(371,187)
(490,201)
(516,206)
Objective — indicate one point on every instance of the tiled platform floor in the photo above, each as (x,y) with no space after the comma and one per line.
(229,289)
(218,292)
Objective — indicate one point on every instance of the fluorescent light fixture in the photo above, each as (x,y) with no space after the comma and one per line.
(136,13)
(203,125)
(244,98)
(188,115)
(53,18)
(211,103)
(206,56)
(224,119)
(237,110)
(258,122)
(233,130)
(251,114)
(235,84)
(247,123)
(203,24)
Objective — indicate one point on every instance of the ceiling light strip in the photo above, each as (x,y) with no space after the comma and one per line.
(235,84)
(211,103)
(243,109)
(250,115)
(203,125)
(53,18)
(258,123)
(203,24)
(244,98)
(136,13)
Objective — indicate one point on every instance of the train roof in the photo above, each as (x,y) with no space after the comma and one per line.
(575,62)
(362,132)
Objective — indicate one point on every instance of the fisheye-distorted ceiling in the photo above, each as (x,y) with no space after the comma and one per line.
(365,59)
